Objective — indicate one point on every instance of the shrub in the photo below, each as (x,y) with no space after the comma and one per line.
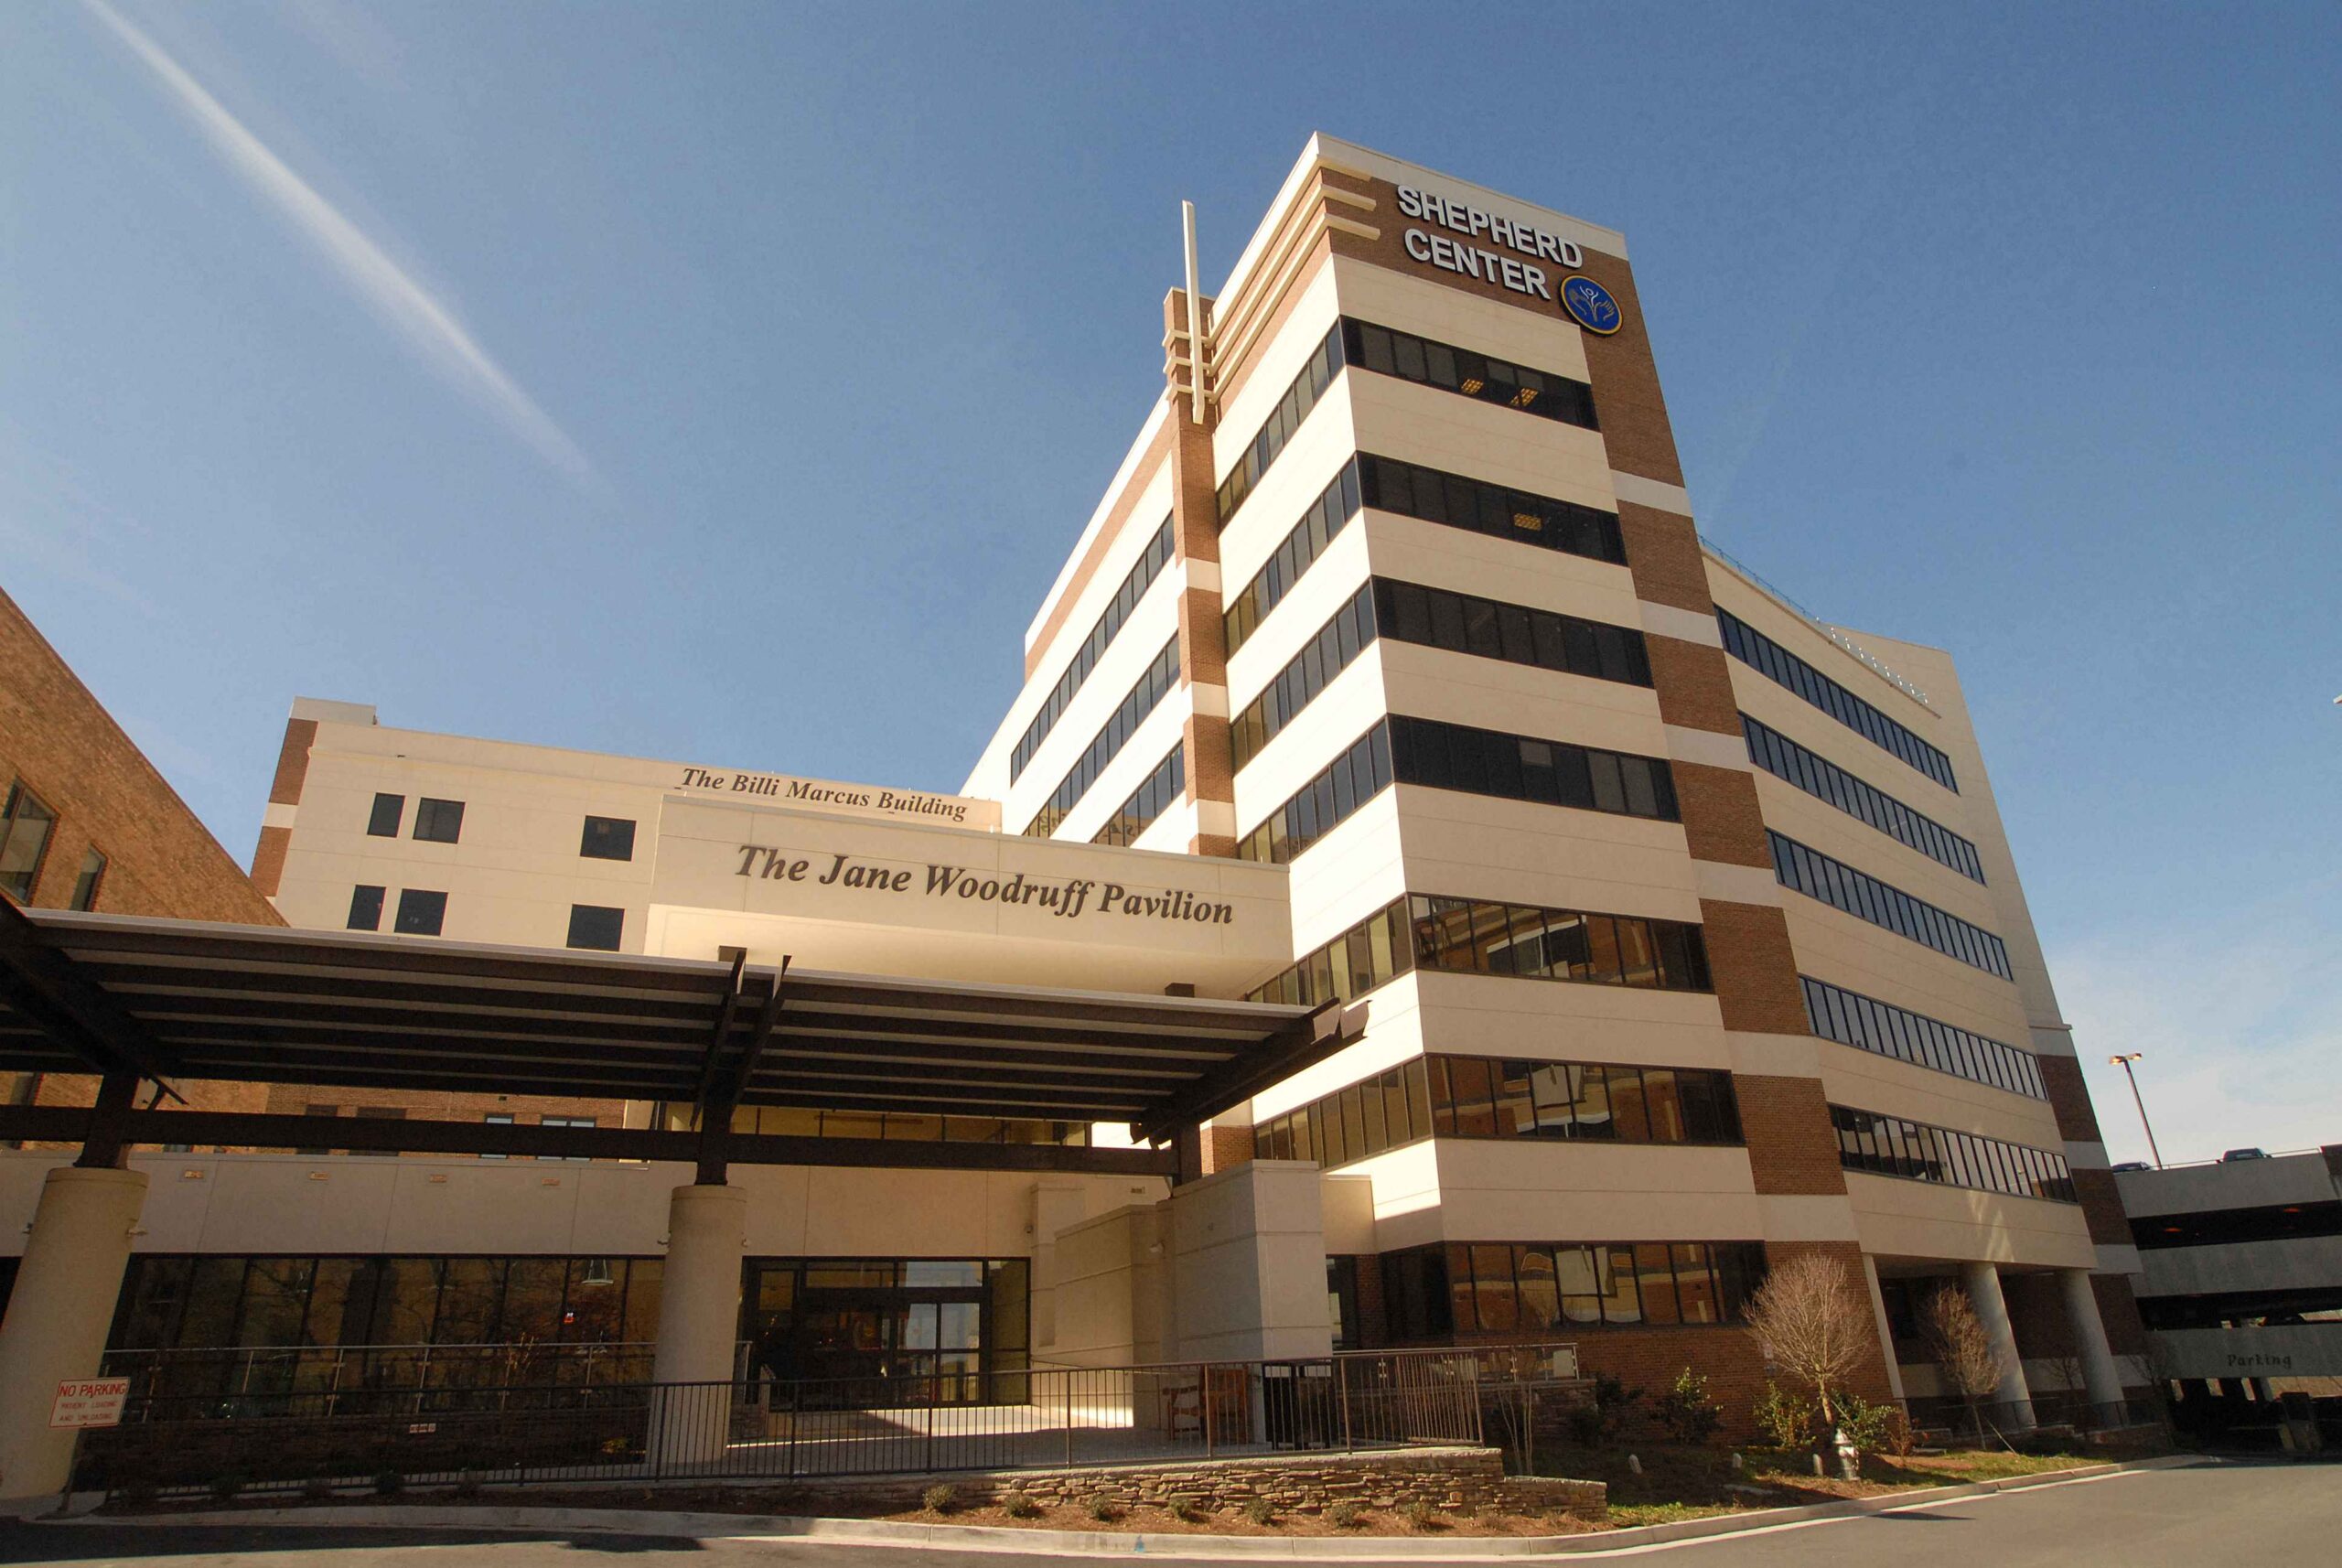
(1419,1515)
(1020,1505)
(1260,1510)
(1784,1419)
(941,1497)
(318,1489)
(390,1484)
(468,1484)
(1603,1416)
(1687,1413)
(226,1485)
(1188,1507)
(1866,1425)
(1101,1507)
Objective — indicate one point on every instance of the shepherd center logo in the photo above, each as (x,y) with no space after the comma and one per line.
(1592,305)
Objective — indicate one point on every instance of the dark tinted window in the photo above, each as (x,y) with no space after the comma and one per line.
(595,926)
(366,908)
(439,821)
(383,822)
(421,914)
(1777,663)
(607,838)
(86,884)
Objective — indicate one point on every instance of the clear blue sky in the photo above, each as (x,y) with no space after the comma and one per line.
(727,382)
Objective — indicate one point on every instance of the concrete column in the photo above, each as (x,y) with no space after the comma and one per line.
(2014,1399)
(2099,1373)
(1885,1334)
(699,1323)
(59,1315)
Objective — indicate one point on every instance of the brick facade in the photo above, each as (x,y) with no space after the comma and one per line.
(59,741)
(1791,1149)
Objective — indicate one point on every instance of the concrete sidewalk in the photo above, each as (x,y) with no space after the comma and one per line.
(1093,1543)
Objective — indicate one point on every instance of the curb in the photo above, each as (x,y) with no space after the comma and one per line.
(1100,1543)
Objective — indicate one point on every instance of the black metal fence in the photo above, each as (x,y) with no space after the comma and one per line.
(580,1431)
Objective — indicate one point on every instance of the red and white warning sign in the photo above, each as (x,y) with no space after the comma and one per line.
(89,1402)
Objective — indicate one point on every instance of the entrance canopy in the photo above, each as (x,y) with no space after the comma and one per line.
(171,999)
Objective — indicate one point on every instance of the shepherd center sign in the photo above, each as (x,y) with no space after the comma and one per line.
(89,1402)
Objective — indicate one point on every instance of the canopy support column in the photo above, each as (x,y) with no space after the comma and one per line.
(699,1321)
(58,1315)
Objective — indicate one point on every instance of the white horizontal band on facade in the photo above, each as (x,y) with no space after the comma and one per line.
(1655,494)
(277,815)
(1684,626)
(1814,1218)
(2085,1156)
(1735,884)
(1706,747)
(1209,700)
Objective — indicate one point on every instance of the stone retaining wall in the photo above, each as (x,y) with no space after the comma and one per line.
(1449,1479)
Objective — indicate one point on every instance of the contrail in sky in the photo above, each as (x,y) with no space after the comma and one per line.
(403,304)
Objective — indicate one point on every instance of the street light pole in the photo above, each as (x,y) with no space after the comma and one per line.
(2124,1062)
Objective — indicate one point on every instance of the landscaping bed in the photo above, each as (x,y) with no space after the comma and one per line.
(1679,1482)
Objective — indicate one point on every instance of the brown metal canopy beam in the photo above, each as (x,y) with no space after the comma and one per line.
(1326,1031)
(43,985)
(71,1123)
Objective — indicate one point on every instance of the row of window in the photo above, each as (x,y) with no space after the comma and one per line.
(423,912)
(1821,778)
(1864,897)
(1489,628)
(1440,755)
(1495,1287)
(1852,1019)
(1437,618)
(1325,363)
(179,1302)
(1118,609)
(1891,1145)
(1391,353)
(1473,1097)
(1761,653)
(1473,936)
(1327,655)
(27,825)
(1141,700)
(1361,772)
(1320,521)
(890,1126)
(442,822)
(1433,494)
(1154,796)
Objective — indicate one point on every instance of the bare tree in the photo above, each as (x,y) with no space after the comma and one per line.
(1955,1337)
(1814,1326)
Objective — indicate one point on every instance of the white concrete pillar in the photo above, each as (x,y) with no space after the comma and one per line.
(58,1315)
(2099,1373)
(699,1323)
(1886,1333)
(2015,1400)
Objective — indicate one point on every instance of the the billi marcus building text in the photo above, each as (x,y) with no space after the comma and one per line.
(1391,670)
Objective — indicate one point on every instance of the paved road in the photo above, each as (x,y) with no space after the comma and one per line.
(2207,1516)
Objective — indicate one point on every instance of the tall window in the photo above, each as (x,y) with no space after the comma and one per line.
(25,827)
(421,914)
(85,885)
(497,1119)
(607,838)
(382,823)
(439,821)
(366,908)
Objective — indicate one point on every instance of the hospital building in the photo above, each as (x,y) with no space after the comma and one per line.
(1421,894)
